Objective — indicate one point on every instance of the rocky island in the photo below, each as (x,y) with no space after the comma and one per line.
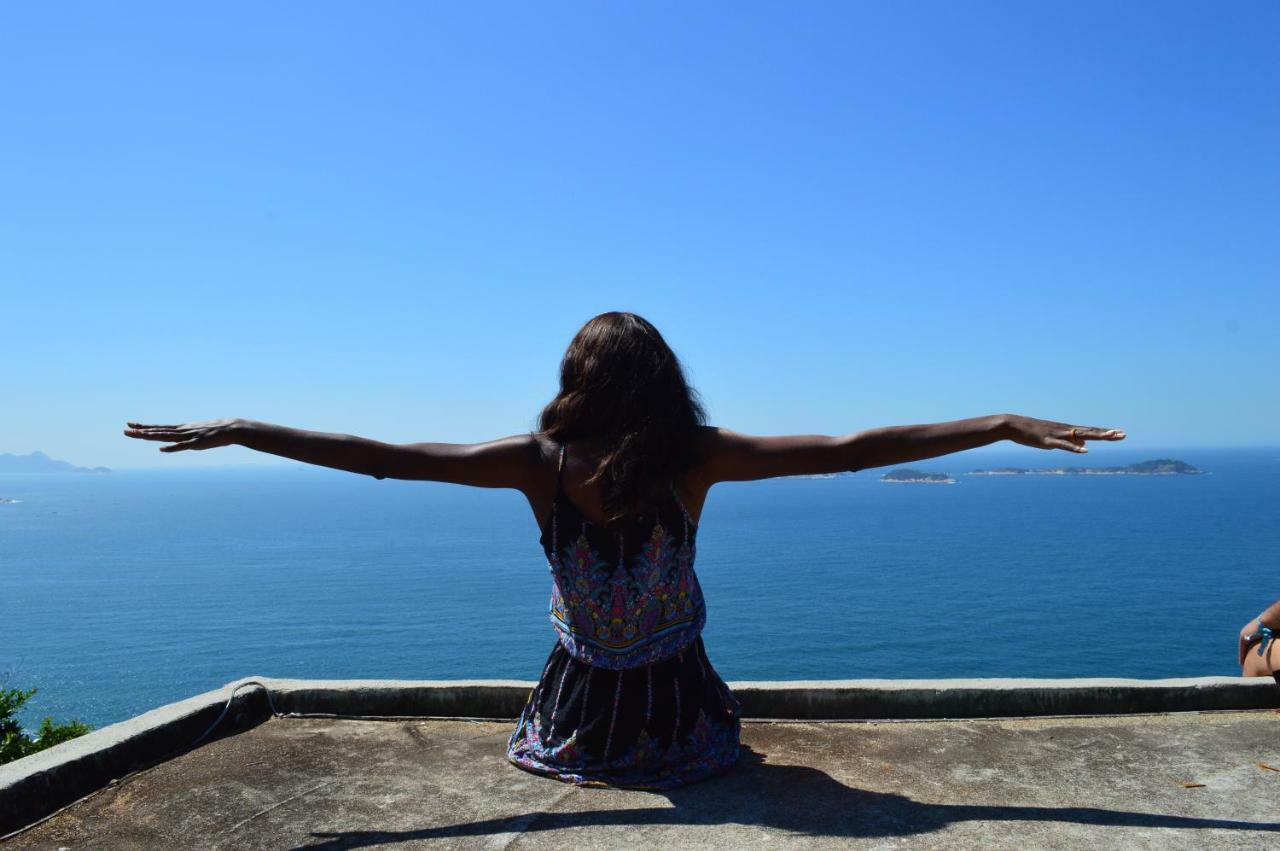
(38,462)
(908,475)
(1157,467)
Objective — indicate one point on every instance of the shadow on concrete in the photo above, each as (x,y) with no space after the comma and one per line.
(796,800)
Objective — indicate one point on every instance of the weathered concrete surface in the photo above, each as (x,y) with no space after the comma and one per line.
(33,787)
(1082,783)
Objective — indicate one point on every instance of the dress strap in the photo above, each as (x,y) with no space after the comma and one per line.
(688,521)
(555,505)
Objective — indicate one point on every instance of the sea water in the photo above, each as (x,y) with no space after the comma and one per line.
(124,591)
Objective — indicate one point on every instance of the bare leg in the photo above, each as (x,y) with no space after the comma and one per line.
(1261,666)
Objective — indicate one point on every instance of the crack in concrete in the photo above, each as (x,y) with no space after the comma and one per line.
(278,804)
(527,821)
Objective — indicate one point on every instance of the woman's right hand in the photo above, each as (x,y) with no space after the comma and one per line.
(1046,434)
(204,435)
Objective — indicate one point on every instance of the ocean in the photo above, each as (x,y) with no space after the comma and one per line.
(125,591)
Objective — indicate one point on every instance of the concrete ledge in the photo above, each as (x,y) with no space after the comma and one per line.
(37,785)
(863,700)
(496,699)
(810,700)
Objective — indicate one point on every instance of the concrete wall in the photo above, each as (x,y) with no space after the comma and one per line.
(820,700)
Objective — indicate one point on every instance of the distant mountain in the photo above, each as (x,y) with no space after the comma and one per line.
(910,475)
(38,462)
(1157,467)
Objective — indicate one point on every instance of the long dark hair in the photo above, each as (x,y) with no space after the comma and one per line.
(623,389)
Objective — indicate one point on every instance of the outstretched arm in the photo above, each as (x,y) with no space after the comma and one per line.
(507,463)
(730,456)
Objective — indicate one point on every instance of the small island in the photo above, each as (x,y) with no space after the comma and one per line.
(1157,467)
(909,475)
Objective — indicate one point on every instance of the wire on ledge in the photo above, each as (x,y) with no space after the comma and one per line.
(270,703)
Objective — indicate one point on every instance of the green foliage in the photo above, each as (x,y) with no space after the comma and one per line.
(14,743)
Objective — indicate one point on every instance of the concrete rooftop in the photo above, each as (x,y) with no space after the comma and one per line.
(1185,780)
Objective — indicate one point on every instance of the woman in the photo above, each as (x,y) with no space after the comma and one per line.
(616,476)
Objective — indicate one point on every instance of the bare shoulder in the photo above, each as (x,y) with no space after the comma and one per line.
(541,450)
(531,454)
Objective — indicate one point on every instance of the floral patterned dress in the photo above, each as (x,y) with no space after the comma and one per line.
(628,697)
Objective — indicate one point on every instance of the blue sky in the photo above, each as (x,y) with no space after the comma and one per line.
(389,219)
